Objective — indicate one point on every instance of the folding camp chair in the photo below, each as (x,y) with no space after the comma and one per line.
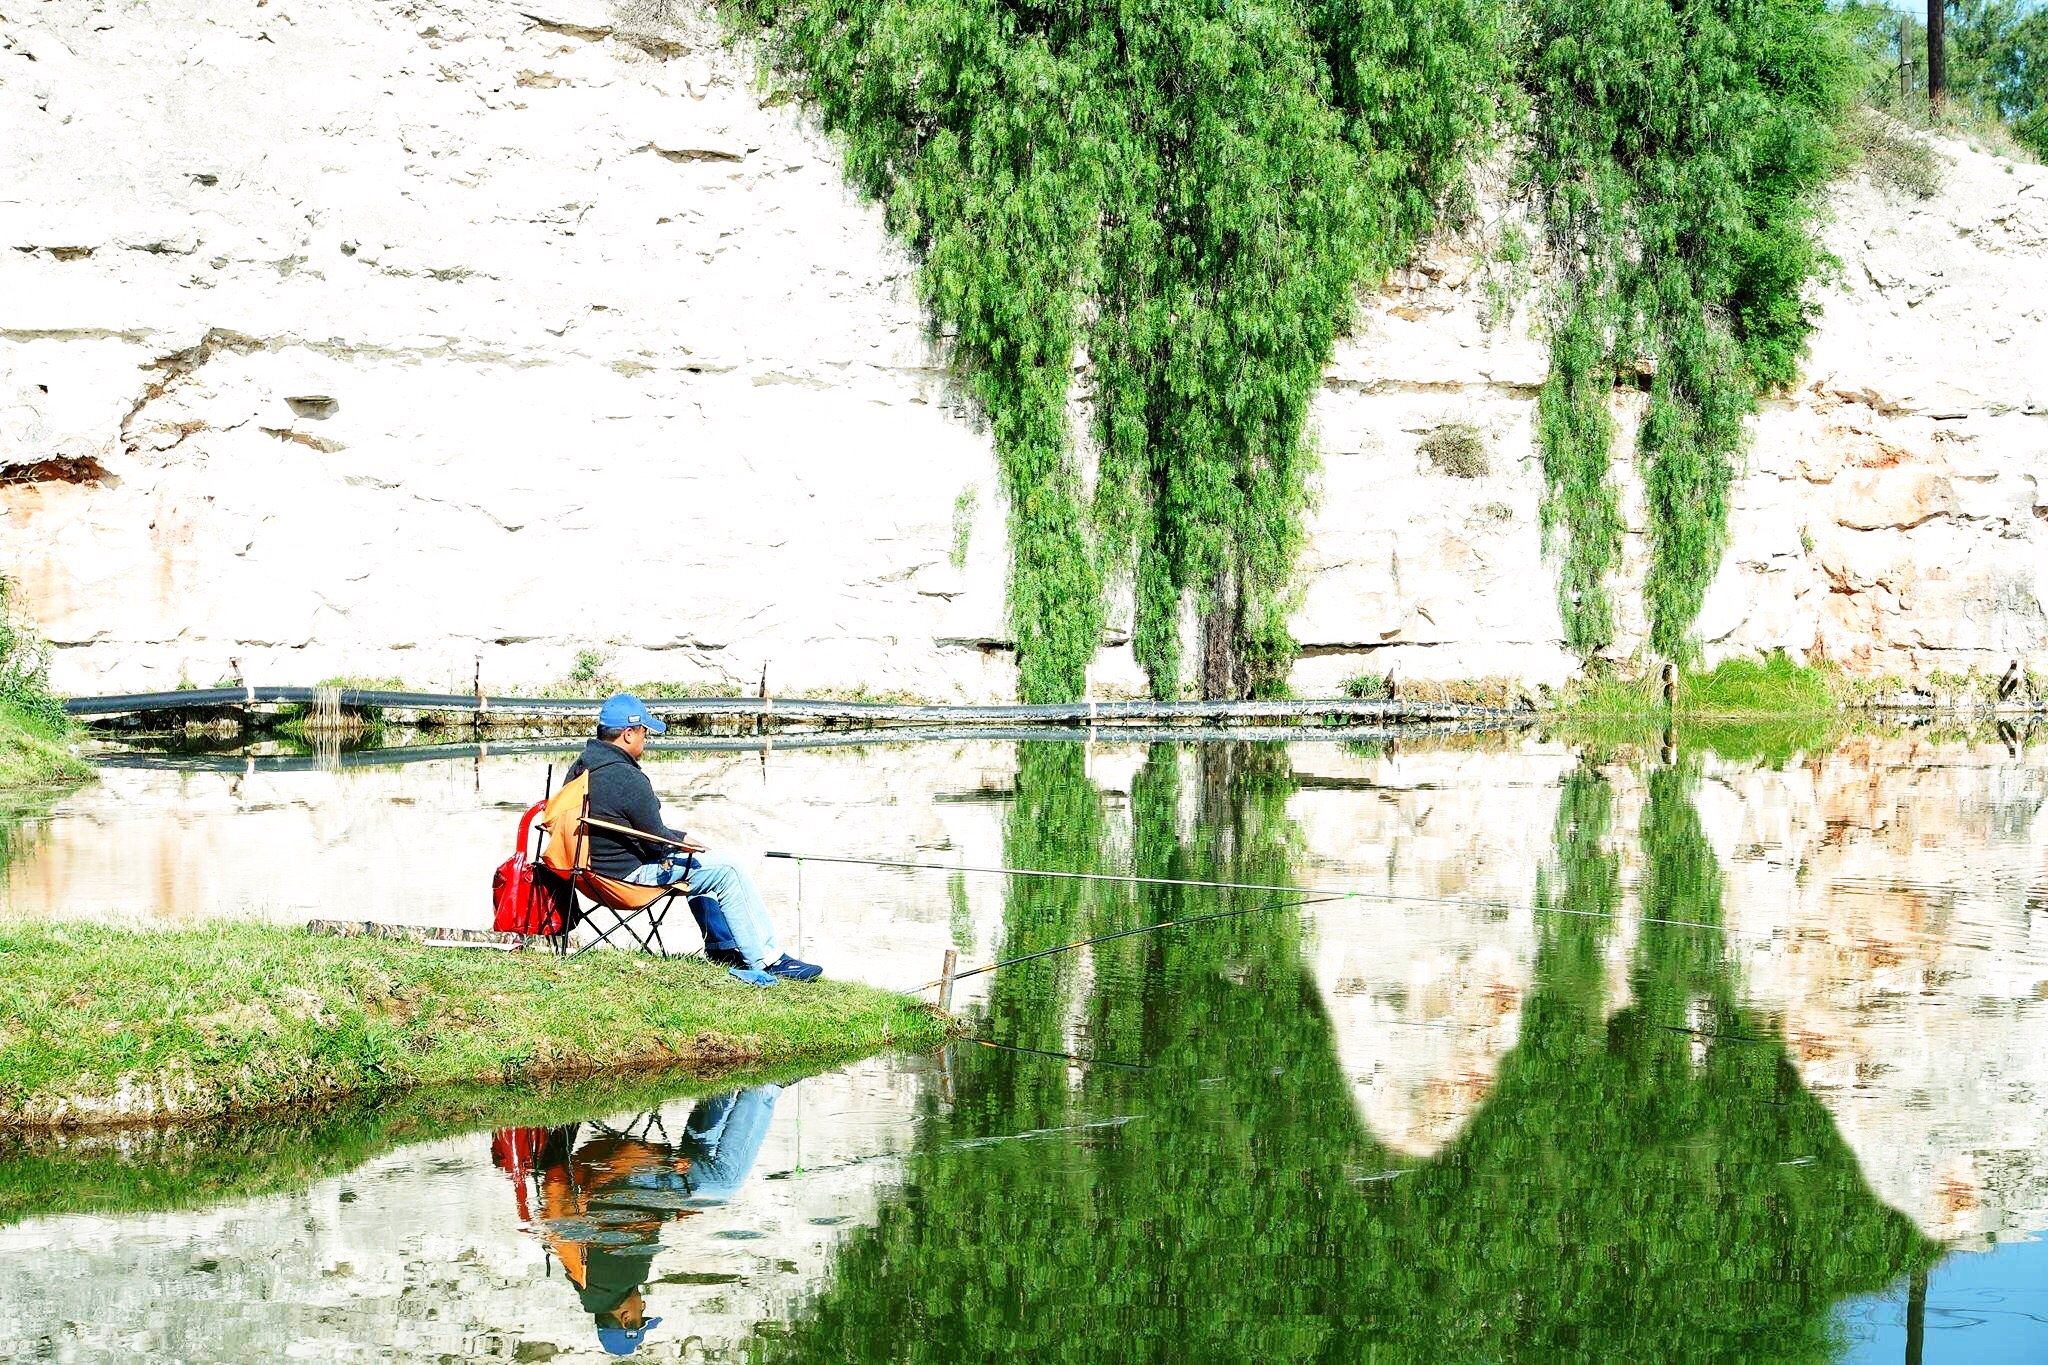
(635,912)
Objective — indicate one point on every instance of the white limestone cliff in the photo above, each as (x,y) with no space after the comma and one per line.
(344,338)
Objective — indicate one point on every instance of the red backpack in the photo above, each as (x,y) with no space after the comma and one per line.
(516,1152)
(528,899)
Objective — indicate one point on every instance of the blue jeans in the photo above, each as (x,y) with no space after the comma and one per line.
(723,1136)
(721,879)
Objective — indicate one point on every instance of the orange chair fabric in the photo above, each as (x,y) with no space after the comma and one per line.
(568,846)
(568,853)
(623,896)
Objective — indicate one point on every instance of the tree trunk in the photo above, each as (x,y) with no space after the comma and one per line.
(1222,668)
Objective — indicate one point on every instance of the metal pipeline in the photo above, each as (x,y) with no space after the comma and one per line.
(1088,713)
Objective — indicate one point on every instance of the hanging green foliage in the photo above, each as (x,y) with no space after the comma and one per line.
(1188,191)
(1679,148)
(25,666)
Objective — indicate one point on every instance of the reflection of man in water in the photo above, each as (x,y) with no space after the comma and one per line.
(603,1201)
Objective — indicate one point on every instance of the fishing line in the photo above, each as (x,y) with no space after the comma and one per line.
(1065,1056)
(1122,933)
(1310,896)
(1717,1033)
(1321,893)
(968,1144)
(1116,877)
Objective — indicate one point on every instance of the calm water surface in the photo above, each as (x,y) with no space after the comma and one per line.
(1737,1055)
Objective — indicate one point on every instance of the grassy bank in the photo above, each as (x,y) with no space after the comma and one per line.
(1742,709)
(34,753)
(1774,686)
(102,1025)
(33,731)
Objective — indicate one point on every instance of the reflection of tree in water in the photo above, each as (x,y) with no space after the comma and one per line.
(1656,1184)
(23,815)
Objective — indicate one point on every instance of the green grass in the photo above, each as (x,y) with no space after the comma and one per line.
(109,1025)
(684,691)
(159,1169)
(1457,449)
(34,753)
(1368,687)
(302,721)
(1772,686)
(964,508)
(1744,710)
(1893,154)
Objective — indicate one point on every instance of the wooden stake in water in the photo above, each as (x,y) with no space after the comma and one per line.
(946,979)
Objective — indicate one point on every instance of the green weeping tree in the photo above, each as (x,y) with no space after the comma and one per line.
(1185,193)
(1679,148)
(1166,207)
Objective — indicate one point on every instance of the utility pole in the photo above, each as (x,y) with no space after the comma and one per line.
(1937,52)
(1905,60)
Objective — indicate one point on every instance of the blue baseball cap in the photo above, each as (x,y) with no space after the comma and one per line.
(624,709)
(623,1341)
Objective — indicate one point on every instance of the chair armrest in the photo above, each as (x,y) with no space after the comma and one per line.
(685,845)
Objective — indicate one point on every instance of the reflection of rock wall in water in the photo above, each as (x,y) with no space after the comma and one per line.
(421,1251)
(1883,902)
(1425,998)
(1883,899)
(367,340)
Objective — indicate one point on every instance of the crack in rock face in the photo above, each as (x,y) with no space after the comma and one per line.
(319,443)
(687,154)
(78,469)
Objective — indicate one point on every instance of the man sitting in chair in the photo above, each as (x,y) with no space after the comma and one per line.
(728,908)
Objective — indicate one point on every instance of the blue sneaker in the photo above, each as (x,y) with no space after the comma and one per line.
(789,969)
(751,977)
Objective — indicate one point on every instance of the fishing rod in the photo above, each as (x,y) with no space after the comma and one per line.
(1120,933)
(1321,893)
(1091,876)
